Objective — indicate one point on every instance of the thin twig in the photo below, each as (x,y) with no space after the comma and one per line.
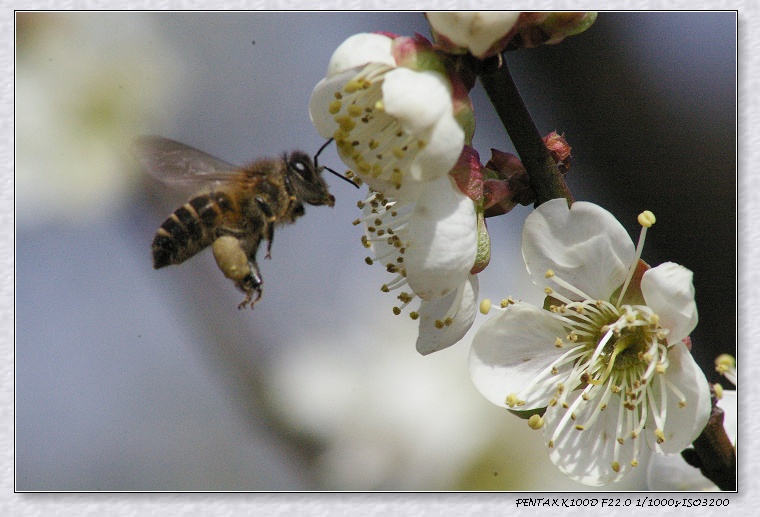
(545,178)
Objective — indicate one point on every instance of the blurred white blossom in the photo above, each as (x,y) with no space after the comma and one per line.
(84,90)
(387,418)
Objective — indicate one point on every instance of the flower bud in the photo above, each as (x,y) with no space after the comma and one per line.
(534,29)
(486,34)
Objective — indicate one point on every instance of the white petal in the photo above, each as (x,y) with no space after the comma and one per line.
(417,99)
(442,240)
(682,424)
(460,304)
(476,31)
(729,405)
(444,143)
(669,291)
(319,104)
(510,350)
(584,245)
(586,456)
(359,50)
(421,102)
(670,473)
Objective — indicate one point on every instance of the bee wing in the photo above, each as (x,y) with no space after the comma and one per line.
(178,164)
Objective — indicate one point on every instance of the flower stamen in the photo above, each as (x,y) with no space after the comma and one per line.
(646,220)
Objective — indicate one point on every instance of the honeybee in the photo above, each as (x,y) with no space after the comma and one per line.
(235,209)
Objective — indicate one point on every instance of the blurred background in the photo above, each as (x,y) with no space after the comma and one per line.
(133,379)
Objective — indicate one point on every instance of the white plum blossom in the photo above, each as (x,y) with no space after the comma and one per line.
(606,355)
(392,111)
(430,244)
(400,121)
(474,31)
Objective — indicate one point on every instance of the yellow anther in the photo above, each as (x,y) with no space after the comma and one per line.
(354,110)
(580,427)
(634,463)
(396,177)
(512,400)
(485,306)
(414,315)
(356,84)
(379,106)
(334,107)
(718,390)
(558,343)
(549,273)
(724,362)
(506,301)
(345,123)
(646,219)
(616,466)
(535,422)
(396,311)
(660,435)
(548,290)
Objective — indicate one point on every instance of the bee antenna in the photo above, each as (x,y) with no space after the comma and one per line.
(341,176)
(322,149)
(316,164)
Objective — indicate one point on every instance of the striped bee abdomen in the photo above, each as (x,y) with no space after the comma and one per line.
(189,229)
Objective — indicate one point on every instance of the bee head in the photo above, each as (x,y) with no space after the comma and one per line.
(307,181)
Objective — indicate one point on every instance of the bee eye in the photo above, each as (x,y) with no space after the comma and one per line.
(300,166)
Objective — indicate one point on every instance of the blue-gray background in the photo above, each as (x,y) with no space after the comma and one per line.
(133,379)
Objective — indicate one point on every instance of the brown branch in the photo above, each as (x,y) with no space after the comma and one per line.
(545,177)
(713,454)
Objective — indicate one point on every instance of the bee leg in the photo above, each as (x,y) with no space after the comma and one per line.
(250,285)
(270,218)
(236,265)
